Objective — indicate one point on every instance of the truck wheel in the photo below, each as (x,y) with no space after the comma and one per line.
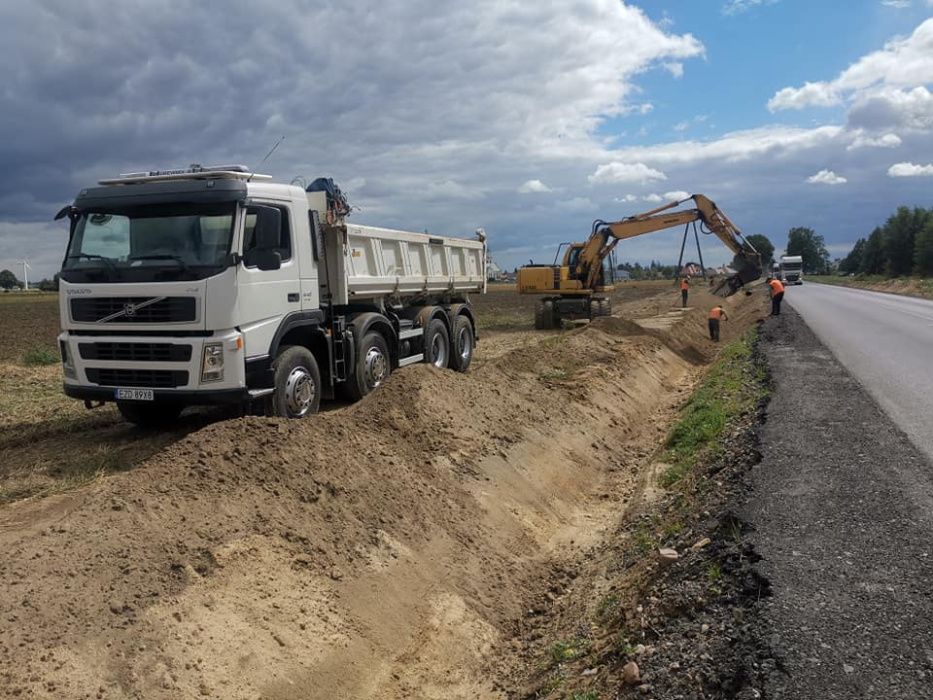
(297,383)
(464,342)
(149,415)
(372,368)
(437,344)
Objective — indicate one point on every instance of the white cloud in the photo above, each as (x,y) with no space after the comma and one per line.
(898,4)
(576,204)
(735,7)
(810,95)
(910,170)
(826,177)
(893,107)
(533,186)
(903,62)
(626,198)
(675,68)
(681,126)
(653,198)
(863,140)
(621,172)
(676,195)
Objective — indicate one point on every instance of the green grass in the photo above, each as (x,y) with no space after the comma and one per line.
(588,695)
(568,650)
(733,386)
(40,356)
(907,286)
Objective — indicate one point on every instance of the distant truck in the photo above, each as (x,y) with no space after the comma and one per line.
(215,286)
(792,269)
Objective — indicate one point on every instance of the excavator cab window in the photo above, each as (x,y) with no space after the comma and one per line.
(573,258)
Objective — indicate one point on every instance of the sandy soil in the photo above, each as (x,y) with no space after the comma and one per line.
(383,550)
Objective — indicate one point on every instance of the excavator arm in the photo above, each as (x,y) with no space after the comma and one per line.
(606,235)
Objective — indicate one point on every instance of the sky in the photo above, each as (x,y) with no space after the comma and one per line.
(529,119)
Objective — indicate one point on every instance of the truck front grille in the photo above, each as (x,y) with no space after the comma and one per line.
(151,378)
(133,309)
(135,352)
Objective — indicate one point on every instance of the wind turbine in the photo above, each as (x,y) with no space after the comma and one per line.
(26,266)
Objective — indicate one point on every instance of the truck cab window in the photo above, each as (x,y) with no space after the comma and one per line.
(285,238)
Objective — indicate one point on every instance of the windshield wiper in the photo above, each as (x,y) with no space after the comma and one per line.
(181,263)
(94,256)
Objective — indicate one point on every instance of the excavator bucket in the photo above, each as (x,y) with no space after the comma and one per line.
(733,283)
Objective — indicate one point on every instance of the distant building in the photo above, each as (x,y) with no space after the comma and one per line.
(493,271)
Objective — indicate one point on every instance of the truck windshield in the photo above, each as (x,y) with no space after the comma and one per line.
(150,244)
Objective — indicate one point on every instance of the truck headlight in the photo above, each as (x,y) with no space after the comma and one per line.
(68,365)
(212,363)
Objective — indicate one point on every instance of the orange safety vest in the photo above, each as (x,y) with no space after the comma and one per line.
(776,287)
(684,285)
(716,313)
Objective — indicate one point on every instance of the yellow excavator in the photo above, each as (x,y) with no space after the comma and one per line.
(579,287)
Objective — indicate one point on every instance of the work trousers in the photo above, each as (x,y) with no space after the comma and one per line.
(776,304)
(714,329)
(683,298)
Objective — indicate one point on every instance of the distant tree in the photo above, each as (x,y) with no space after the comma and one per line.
(808,244)
(899,234)
(923,249)
(872,262)
(853,261)
(764,247)
(8,280)
(49,285)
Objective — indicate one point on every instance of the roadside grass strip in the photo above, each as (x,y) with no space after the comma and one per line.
(733,386)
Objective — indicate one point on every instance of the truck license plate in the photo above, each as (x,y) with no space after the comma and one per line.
(135,395)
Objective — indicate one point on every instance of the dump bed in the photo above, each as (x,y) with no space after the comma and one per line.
(375,262)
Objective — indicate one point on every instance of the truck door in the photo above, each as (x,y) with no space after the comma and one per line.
(267,296)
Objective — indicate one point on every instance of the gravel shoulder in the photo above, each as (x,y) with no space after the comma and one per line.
(842,509)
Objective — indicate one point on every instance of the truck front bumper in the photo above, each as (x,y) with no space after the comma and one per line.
(209,397)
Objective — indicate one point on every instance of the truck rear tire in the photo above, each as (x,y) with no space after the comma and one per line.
(296,382)
(149,415)
(437,344)
(464,342)
(372,367)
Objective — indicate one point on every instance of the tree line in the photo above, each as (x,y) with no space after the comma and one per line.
(900,247)
(9,281)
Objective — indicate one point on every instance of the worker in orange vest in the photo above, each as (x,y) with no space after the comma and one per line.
(716,314)
(684,290)
(777,294)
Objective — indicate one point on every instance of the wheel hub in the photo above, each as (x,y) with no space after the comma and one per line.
(439,351)
(466,344)
(376,367)
(299,391)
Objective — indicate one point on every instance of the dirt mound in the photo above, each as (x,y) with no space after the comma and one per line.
(350,555)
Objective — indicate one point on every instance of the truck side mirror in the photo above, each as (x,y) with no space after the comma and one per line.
(266,239)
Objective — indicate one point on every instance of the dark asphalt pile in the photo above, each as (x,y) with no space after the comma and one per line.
(842,507)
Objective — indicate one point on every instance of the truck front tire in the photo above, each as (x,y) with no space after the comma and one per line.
(464,341)
(149,415)
(373,366)
(296,383)
(437,344)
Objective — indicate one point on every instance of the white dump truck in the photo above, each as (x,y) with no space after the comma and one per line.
(214,285)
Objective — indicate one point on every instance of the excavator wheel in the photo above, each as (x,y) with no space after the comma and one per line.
(605,307)
(595,308)
(544,315)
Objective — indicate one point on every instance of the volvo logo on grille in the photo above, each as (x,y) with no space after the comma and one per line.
(129,310)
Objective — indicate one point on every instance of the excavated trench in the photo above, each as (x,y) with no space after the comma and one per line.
(383,550)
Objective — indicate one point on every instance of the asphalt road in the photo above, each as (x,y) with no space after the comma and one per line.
(841,509)
(885,341)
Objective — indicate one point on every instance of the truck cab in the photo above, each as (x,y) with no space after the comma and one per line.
(187,287)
